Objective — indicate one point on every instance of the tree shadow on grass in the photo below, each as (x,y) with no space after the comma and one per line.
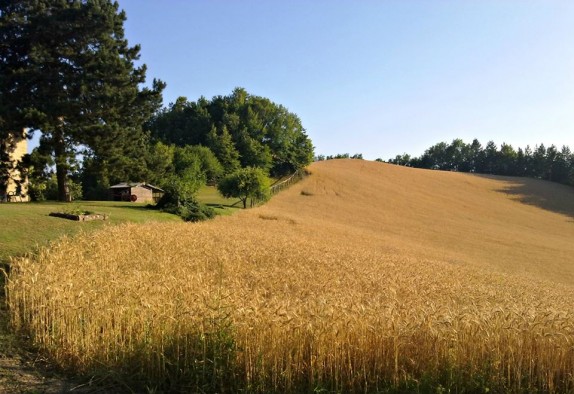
(547,195)
(141,208)
(216,205)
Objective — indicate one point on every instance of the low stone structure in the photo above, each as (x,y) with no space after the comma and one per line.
(80,217)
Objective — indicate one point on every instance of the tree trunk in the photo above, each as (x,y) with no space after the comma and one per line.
(61,166)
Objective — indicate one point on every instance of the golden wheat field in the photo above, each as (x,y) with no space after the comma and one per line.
(363,277)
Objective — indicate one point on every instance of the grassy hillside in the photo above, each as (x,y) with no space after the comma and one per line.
(362,277)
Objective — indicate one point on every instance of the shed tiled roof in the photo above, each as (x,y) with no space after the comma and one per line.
(125,185)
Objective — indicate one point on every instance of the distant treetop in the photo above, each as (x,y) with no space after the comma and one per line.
(553,164)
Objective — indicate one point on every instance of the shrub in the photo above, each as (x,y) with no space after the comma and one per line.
(189,210)
(47,189)
(194,211)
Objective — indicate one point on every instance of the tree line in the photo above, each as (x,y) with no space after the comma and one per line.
(358,156)
(69,74)
(242,130)
(548,163)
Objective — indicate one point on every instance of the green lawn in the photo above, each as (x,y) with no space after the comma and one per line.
(223,206)
(24,226)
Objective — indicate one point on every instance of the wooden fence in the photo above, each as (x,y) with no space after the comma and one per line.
(284,184)
(294,178)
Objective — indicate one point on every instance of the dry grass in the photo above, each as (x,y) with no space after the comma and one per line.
(379,278)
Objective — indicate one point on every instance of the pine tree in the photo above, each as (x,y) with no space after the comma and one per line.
(222,146)
(70,74)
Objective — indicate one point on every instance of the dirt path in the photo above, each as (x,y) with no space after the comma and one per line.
(23,371)
(18,375)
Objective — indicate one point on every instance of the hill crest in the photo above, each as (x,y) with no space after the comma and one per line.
(514,225)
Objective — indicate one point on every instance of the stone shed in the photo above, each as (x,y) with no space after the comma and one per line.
(136,192)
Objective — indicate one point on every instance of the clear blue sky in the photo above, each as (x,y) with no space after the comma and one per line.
(375,77)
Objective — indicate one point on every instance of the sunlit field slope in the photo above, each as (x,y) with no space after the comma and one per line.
(517,225)
(364,277)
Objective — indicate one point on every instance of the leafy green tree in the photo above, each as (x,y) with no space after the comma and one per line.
(252,152)
(300,154)
(69,72)
(338,156)
(507,160)
(401,160)
(181,171)
(182,123)
(159,162)
(210,166)
(436,157)
(188,175)
(246,183)
(181,189)
(459,156)
(241,129)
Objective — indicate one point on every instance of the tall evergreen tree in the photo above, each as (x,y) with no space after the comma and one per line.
(558,162)
(222,146)
(539,162)
(476,155)
(506,163)
(521,166)
(490,158)
(11,63)
(70,74)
